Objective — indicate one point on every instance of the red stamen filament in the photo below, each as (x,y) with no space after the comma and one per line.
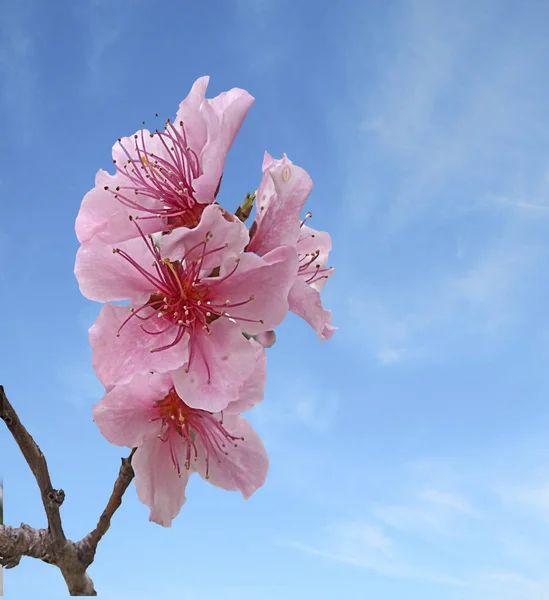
(192,425)
(168,180)
(180,297)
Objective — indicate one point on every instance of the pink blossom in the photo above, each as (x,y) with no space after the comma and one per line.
(184,316)
(174,440)
(165,178)
(281,196)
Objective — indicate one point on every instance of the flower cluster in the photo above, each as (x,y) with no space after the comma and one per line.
(192,298)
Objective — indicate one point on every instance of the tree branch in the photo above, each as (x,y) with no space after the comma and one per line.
(16,542)
(51,498)
(88,545)
(50,545)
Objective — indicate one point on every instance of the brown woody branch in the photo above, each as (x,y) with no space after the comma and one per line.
(88,545)
(51,498)
(50,545)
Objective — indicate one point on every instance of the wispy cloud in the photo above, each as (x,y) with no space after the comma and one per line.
(431,512)
(369,547)
(449,524)
(450,111)
(474,297)
(445,150)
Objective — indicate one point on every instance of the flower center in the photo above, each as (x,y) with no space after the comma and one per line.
(192,425)
(182,300)
(166,177)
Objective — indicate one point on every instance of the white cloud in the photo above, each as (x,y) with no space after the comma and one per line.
(448,138)
(444,522)
(369,547)
(431,511)
(451,124)
(479,296)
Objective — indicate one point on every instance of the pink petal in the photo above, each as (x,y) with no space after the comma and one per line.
(305,302)
(244,467)
(102,215)
(105,276)
(189,112)
(252,391)
(269,161)
(282,193)
(225,115)
(228,234)
(267,280)
(117,360)
(311,240)
(157,483)
(123,414)
(225,359)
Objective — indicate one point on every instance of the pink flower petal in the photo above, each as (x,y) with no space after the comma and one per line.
(189,113)
(123,414)
(103,216)
(117,359)
(312,240)
(211,127)
(261,285)
(252,391)
(105,276)
(157,483)
(305,302)
(226,233)
(281,195)
(244,467)
(225,359)
(225,115)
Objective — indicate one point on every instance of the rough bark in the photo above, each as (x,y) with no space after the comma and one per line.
(50,545)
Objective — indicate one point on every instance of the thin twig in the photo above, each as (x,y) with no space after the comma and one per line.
(88,545)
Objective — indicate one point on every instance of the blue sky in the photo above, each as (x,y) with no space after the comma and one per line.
(409,455)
